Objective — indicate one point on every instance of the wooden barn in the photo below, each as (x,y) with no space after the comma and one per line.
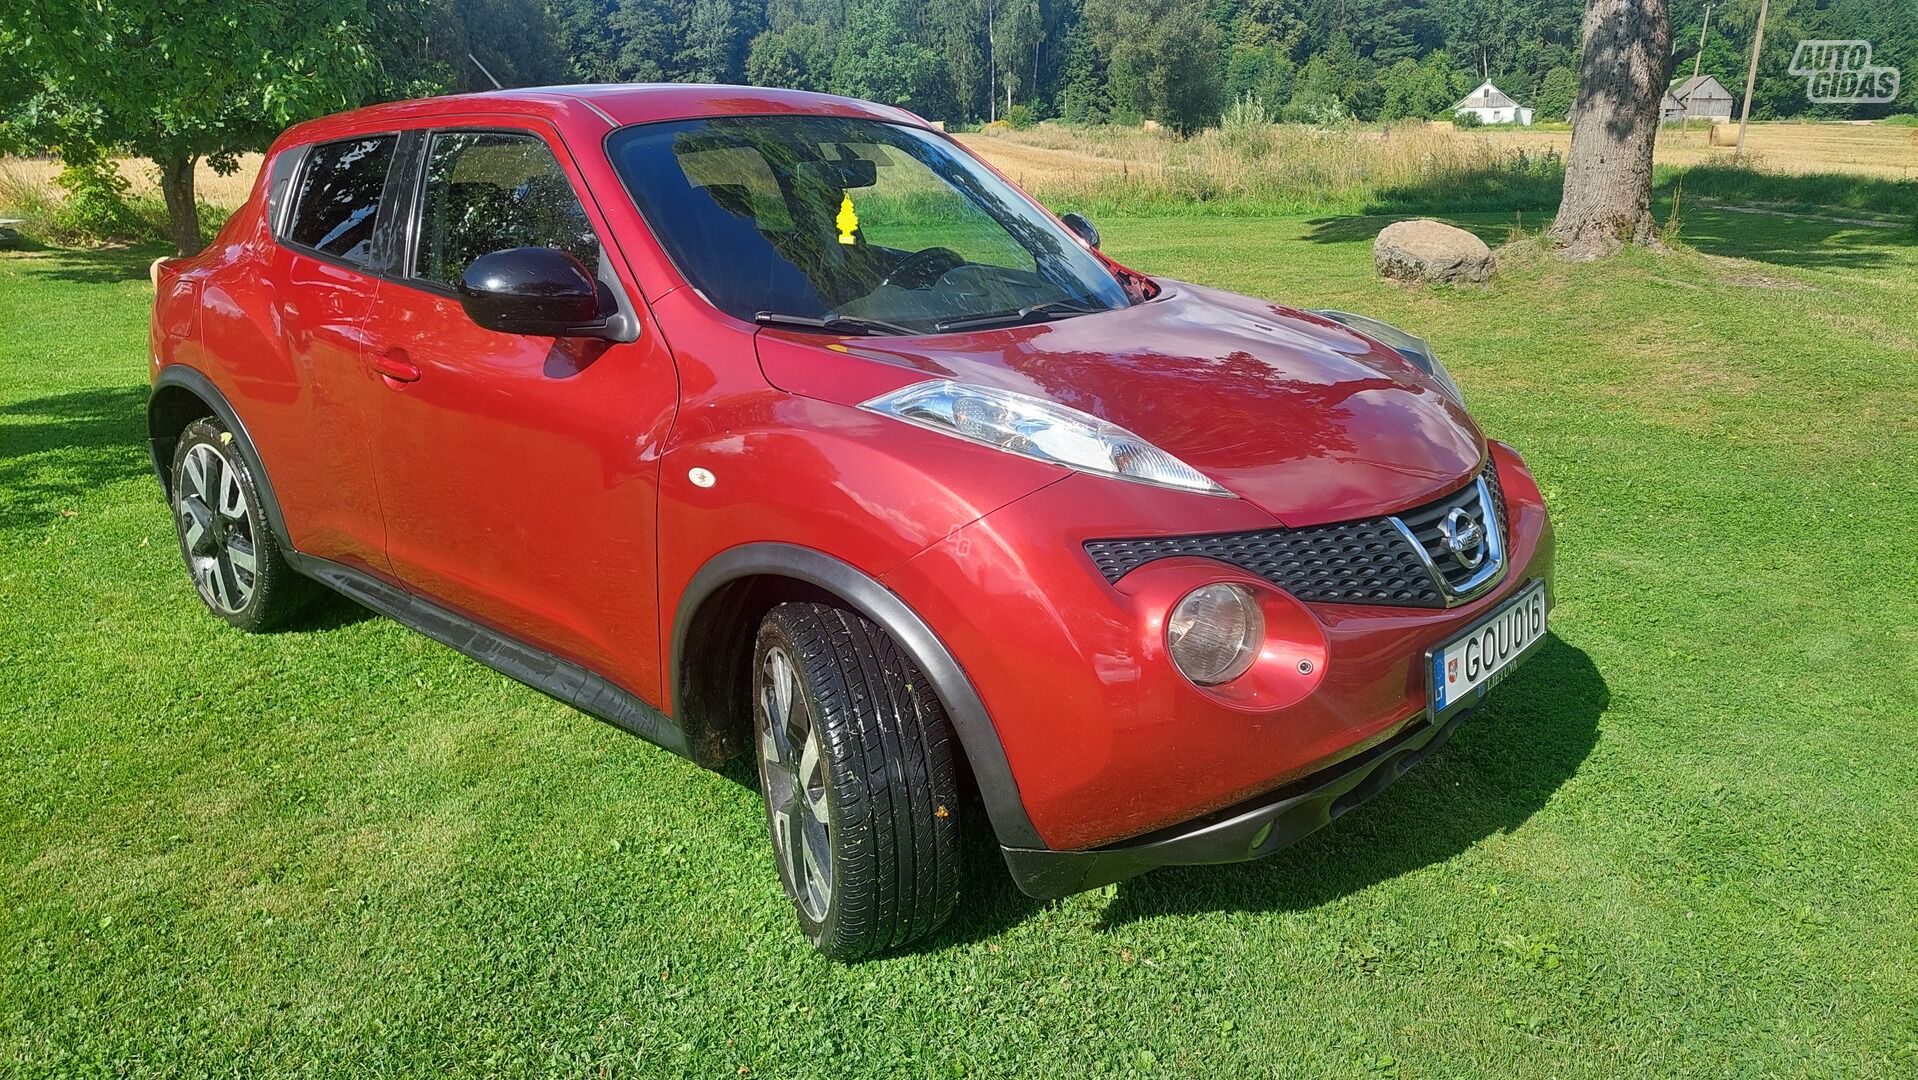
(1700,97)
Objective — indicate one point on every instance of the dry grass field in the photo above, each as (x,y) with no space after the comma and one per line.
(1056,160)
(1878,150)
(212,188)
(1054,156)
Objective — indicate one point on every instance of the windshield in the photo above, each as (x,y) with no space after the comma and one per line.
(852,225)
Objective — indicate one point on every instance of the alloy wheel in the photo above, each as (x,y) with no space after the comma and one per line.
(215,529)
(793,772)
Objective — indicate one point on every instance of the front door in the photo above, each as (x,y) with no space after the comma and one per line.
(518,474)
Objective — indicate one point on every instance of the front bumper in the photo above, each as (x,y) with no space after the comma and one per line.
(1106,742)
(1250,830)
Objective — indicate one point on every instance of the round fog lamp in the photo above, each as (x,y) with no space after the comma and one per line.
(1214,633)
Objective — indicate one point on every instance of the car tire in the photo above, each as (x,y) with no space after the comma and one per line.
(231,556)
(862,796)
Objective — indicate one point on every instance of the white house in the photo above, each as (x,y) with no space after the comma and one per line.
(1699,97)
(1492,106)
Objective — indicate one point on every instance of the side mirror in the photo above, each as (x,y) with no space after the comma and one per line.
(1077,223)
(539,291)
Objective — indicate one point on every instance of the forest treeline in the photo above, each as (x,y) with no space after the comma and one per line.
(1181,63)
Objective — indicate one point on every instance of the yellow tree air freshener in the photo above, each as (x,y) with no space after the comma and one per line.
(847,219)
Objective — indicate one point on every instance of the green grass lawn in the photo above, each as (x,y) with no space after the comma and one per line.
(1680,841)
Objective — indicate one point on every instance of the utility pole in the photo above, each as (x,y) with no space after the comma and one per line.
(992,94)
(1698,62)
(1751,81)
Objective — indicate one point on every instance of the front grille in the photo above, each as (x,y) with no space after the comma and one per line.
(1426,525)
(1372,561)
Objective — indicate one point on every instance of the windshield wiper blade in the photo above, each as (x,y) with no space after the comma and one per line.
(1051,309)
(850,324)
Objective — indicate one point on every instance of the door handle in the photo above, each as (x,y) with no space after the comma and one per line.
(394,365)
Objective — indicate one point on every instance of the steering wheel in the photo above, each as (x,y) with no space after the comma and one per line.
(921,268)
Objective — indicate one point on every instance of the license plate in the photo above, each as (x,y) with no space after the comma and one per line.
(1463,669)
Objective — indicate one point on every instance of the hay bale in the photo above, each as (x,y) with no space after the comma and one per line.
(1724,135)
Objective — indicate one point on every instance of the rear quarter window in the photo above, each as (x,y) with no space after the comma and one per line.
(337,199)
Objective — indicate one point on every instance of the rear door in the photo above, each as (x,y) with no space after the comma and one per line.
(331,231)
(518,474)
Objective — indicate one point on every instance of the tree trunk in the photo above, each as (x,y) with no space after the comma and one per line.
(1623,74)
(182,213)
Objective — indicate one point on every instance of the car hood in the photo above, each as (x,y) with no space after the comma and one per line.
(1302,417)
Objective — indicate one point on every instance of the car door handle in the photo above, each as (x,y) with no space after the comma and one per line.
(394,365)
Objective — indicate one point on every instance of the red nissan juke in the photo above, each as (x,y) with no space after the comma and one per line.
(755,421)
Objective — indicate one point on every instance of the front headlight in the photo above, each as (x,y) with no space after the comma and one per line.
(1414,349)
(1215,633)
(1040,429)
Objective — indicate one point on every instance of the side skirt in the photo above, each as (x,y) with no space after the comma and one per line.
(562,679)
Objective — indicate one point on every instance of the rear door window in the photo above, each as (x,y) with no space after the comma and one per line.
(339,198)
(487,191)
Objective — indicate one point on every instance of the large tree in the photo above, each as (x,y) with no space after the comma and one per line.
(180,82)
(1608,178)
(879,57)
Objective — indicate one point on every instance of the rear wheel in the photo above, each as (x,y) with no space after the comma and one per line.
(855,758)
(236,565)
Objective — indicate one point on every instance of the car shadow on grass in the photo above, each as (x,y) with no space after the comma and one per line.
(1499,769)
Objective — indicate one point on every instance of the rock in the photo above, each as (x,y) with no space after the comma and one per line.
(1427,250)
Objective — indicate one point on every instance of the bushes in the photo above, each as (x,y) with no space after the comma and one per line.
(1247,127)
(88,202)
(96,209)
(1021,116)
(1319,108)
(1467,120)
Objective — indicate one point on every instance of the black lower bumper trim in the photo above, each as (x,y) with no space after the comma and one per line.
(1250,830)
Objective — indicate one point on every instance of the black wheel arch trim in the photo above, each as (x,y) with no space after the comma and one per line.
(970,721)
(195,382)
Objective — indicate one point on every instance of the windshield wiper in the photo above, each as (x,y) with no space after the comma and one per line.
(850,324)
(1051,309)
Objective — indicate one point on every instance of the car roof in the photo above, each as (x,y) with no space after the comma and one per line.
(613,104)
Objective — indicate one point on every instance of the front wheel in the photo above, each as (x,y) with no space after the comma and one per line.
(235,563)
(855,758)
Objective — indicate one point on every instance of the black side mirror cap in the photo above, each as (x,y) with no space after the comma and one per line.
(1077,223)
(537,291)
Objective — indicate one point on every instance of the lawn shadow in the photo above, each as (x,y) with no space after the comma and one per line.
(1837,222)
(1361,228)
(1821,239)
(56,450)
(103,266)
(1499,769)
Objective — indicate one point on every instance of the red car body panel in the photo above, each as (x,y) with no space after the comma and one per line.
(1298,415)
(543,488)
